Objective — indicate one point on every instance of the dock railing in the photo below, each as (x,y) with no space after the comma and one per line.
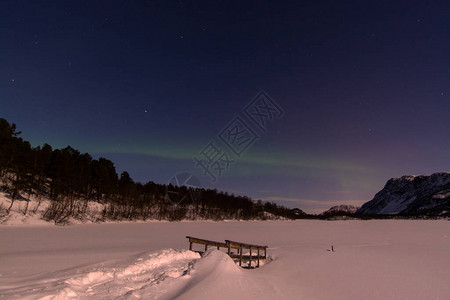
(260,251)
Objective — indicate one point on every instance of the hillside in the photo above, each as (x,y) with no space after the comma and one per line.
(412,195)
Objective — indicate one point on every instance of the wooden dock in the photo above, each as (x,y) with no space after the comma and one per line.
(233,245)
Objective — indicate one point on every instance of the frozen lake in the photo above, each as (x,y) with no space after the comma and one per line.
(379,259)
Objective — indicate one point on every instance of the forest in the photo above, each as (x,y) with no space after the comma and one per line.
(71,180)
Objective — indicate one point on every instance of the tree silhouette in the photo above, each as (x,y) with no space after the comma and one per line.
(71,179)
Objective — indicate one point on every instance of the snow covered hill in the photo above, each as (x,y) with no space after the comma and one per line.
(412,195)
(340,209)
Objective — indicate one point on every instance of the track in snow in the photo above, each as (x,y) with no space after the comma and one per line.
(127,279)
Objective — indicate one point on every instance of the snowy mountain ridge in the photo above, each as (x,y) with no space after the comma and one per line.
(412,195)
(343,208)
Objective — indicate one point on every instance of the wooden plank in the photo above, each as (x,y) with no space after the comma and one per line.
(236,245)
(206,242)
(254,257)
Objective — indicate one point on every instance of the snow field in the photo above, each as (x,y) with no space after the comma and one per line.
(378,259)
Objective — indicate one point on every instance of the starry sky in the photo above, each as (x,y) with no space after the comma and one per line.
(350,93)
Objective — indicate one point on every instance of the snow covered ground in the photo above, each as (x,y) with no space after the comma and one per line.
(381,259)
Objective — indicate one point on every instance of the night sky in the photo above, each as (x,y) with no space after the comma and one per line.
(359,91)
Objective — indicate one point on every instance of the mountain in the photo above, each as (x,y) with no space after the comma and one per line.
(412,195)
(298,212)
(340,210)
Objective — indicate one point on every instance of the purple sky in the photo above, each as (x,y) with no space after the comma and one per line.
(363,88)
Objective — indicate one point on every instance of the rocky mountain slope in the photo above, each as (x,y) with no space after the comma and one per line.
(412,195)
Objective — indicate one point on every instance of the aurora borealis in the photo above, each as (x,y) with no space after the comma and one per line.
(364,88)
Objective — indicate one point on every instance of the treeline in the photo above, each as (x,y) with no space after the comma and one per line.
(71,180)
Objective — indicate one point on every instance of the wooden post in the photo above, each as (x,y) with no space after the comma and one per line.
(258,257)
(229,248)
(250,261)
(190,245)
(265,254)
(206,247)
(240,256)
